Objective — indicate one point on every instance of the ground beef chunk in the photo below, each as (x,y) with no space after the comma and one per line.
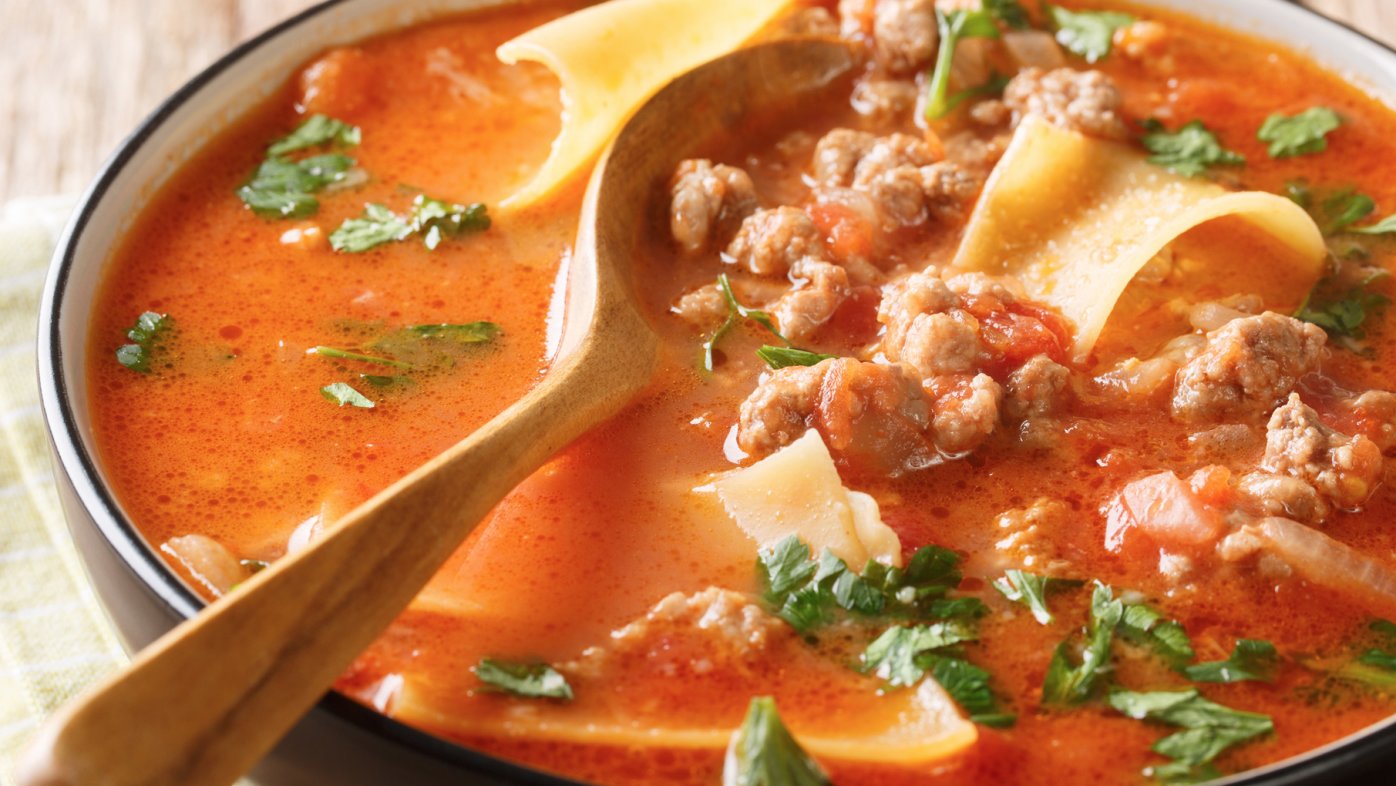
(899,172)
(1268,494)
(704,307)
(991,113)
(707,630)
(884,101)
(845,157)
(771,241)
(904,34)
(1247,366)
(1343,469)
(1036,389)
(907,301)
(706,199)
(872,416)
(966,411)
(1084,101)
(941,343)
(821,287)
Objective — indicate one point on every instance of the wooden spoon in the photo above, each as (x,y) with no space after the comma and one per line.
(209,699)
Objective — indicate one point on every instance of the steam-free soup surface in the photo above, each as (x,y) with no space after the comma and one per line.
(1212,469)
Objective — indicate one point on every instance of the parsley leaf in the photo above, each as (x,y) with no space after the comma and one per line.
(377,226)
(436,220)
(1068,683)
(1300,134)
(1252,659)
(968,685)
(145,334)
(1144,626)
(530,680)
(1010,12)
(780,357)
(340,354)
(1386,226)
(1031,590)
(1208,728)
(784,567)
(315,131)
(284,189)
(1342,313)
(953,26)
(895,655)
(1187,151)
(736,312)
(763,753)
(342,394)
(1087,33)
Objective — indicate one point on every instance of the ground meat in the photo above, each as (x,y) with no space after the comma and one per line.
(845,157)
(1036,389)
(706,199)
(904,34)
(966,414)
(704,307)
(976,155)
(941,343)
(715,626)
(1084,101)
(884,101)
(771,241)
(1247,366)
(947,187)
(874,416)
(1268,494)
(855,19)
(1224,442)
(908,299)
(1344,469)
(821,288)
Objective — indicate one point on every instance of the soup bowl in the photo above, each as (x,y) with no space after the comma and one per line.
(341,741)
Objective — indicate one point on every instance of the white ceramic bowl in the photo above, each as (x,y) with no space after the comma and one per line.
(342,742)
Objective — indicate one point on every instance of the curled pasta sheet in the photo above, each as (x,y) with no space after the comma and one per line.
(1076,218)
(905,728)
(661,39)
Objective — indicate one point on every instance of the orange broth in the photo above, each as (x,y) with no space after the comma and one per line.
(234,441)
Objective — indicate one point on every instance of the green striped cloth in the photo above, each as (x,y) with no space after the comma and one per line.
(54,637)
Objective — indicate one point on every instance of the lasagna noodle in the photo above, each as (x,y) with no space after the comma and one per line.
(1077,218)
(660,39)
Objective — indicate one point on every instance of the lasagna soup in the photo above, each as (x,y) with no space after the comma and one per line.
(1022,413)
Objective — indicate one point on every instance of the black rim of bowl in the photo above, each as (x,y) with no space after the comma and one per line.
(1372,745)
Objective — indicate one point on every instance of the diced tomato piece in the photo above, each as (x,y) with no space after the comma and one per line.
(1163,507)
(855,321)
(848,234)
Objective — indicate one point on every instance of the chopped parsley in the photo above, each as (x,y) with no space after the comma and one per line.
(1386,226)
(1301,134)
(149,329)
(340,354)
(1031,590)
(1189,151)
(342,394)
(780,357)
(736,313)
(1342,312)
(431,219)
(530,680)
(1089,34)
(808,593)
(1143,626)
(377,225)
(895,656)
(1208,728)
(763,753)
(953,26)
(282,188)
(1252,659)
(1072,683)
(315,131)
(1010,12)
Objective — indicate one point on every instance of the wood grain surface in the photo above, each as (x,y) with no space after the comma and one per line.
(77,75)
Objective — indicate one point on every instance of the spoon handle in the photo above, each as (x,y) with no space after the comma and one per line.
(203,704)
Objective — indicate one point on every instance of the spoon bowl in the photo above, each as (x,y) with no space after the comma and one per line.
(204,703)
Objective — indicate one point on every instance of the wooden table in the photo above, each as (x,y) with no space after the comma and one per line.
(77,75)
